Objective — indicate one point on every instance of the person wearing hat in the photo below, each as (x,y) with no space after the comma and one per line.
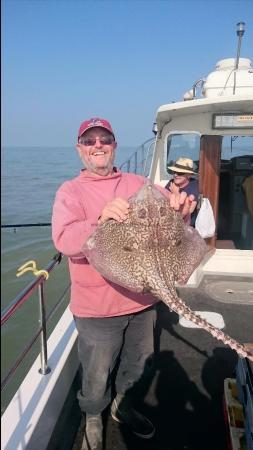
(182,181)
(115,326)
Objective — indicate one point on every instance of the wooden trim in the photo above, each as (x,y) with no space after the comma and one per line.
(209,173)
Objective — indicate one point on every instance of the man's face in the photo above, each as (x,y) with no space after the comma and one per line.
(98,156)
(181,178)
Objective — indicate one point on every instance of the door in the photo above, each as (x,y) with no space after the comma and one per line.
(209,173)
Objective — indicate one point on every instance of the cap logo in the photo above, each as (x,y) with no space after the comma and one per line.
(95,123)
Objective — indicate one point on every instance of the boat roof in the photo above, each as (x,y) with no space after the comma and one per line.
(169,114)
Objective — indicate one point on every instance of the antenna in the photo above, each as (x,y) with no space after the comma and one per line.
(240,29)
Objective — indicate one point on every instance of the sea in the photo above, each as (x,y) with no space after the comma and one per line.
(30,179)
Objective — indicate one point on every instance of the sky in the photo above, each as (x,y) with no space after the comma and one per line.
(64,61)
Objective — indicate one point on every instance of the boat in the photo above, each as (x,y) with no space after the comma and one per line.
(200,395)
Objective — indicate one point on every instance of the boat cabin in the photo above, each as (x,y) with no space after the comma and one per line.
(216,132)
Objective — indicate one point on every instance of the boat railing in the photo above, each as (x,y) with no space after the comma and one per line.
(18,301)
(140,160)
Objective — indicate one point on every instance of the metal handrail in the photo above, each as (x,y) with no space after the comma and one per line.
(147,156)
(134,156)
(28,347)
(42,331)
(27,291)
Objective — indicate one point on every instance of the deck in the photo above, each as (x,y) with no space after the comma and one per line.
(183,394)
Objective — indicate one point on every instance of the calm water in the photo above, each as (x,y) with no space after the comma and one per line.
(30,178)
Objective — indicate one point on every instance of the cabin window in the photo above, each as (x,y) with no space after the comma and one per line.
(235,213)
(182,145)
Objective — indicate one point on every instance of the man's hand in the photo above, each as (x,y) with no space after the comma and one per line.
(181,202)
(117,209)
(173,188)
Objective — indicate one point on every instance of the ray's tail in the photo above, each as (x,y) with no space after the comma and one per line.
(178,305)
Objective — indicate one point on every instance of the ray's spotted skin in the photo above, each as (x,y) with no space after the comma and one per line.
(150,251)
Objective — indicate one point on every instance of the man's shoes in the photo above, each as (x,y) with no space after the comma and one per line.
(93,434)
(122,412)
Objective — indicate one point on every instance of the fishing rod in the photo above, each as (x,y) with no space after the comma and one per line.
(23,225)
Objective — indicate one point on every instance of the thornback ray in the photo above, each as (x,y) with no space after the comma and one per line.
(150,251)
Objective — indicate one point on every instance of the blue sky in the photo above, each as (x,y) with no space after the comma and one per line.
(64,61)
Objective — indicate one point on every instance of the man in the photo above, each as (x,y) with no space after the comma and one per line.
(183,181)
(115,326)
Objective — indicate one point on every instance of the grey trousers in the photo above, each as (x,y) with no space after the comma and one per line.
(125,342)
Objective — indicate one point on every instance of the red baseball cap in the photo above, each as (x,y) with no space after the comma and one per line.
(92,123)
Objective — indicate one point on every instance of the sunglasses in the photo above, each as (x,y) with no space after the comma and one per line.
(104,140)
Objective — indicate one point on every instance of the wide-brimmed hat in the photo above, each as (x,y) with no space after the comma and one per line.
(184,165)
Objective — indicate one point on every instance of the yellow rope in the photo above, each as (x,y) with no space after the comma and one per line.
(30,266)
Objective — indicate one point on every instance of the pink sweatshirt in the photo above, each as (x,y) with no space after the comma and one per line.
(78,204)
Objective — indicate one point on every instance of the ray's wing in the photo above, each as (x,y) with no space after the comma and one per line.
(190,253)
(111,251)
